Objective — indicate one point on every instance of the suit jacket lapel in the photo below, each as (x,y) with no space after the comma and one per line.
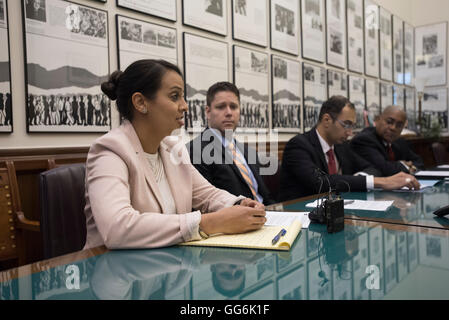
(149,176)
(319,150)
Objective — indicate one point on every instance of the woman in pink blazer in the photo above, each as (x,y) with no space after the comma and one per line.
(141,189)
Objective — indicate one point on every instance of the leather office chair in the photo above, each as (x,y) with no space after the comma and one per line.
(63,222)
(12,219)
(440,153)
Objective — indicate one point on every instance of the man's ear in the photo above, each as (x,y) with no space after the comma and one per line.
(208,109)
(326,120)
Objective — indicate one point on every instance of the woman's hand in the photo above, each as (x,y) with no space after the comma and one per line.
(236,219)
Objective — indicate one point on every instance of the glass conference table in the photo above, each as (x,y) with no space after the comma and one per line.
(369,260)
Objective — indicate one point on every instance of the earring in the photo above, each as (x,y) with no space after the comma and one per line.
(144,110)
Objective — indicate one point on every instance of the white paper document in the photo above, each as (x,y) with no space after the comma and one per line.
(361,205)
(443,166)
(286,218)
(426,173)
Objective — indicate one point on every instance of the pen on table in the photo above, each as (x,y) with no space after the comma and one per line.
(278,236)
(348,201)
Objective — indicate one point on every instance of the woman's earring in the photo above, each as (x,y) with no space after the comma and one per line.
(145,110)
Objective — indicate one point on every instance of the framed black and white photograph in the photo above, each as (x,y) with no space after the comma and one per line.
(286,94)
(336,33)
(5,72)
(372,100)
(205,63)
(398,50)
(409,54)
(430,53)
(357,97)
(209,15)
(251,78)
(313,30)
(250,21)
(386,45)
(435,108)
(292,286)
(337,83)
(410,107)
(355,45)
(284,17)
(164,9)
(386,95)
(63,89)
(399,96)
(314,93)
(142,40)
(371,39)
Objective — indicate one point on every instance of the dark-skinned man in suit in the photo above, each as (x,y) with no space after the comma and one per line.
(382,146)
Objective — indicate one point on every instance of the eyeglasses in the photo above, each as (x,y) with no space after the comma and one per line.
(346,125)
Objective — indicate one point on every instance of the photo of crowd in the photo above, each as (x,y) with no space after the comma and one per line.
(68,110)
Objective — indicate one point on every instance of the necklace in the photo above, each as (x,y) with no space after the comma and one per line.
(156,165)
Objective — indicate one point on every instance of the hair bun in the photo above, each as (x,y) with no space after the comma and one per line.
(110,87)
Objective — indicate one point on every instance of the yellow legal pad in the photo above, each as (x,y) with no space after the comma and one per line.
(259,239)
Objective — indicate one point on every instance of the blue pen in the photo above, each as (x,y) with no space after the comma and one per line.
(278,236)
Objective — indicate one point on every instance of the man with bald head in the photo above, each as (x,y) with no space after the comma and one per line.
(382,146)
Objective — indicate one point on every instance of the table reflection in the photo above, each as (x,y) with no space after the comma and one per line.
(319,266)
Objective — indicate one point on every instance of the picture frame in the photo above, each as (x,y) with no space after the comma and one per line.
(431,53)
(398,50)
(284,21)
(313,29)
(355,36)
(372,98)
(6,105)
(211,16)
(250,73)
(250,21)
(357,97)
(286,94)
(161,9)
(138,39)
(409,54)
(410,107)
(371,39)
(63,92)
(337,83)
(435,108)
(336,33)
(399,96)
(386,95)
(205,63)
(386,44)
(314,93)
(433,251)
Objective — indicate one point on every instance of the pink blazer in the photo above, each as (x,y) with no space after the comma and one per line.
(123,202)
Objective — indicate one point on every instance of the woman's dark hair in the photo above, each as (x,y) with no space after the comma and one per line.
(333,107)
(144,76)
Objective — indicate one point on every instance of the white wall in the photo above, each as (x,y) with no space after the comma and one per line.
(416,12)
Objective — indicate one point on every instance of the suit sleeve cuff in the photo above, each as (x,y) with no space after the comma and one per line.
(190,223)
(369,182)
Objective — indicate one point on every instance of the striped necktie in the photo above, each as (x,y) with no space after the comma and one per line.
(244,172)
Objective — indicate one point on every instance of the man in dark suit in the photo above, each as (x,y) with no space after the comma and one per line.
(382,146)
(321,156)
(223,161)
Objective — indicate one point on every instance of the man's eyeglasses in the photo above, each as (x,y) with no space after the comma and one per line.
(346,125)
